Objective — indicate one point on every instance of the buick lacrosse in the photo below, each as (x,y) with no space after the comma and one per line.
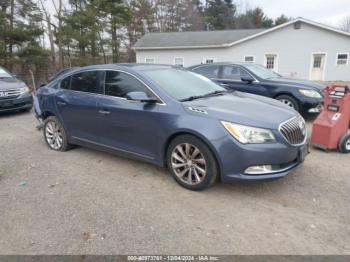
(174,118)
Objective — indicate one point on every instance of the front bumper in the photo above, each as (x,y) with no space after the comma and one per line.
(24,101)
(236,158)
(311,106)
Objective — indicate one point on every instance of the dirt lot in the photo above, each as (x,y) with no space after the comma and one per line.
(88,202)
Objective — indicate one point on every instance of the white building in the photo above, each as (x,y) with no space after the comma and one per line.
(299,48)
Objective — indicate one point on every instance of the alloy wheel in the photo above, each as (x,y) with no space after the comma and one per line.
(287,102)
(189,164)
(53,135)
(347,145)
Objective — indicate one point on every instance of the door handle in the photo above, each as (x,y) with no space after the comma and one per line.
(104,112)
(60,103)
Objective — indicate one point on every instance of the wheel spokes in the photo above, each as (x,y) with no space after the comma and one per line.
(53,135)
(188,164)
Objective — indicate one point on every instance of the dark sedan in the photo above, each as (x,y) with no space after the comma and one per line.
(304,96)
(173,117)
(14,94)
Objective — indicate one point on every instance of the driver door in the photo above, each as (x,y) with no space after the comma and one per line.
(125,125)
(231,77)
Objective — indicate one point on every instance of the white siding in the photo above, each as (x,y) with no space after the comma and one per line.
(294,49)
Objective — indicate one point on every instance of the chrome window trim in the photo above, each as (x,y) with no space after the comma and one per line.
(114,70)
(113,148)
(280,126)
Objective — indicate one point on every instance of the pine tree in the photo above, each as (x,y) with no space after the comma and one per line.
(220,14)
(20,35)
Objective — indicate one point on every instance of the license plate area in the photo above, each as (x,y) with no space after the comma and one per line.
(6,103)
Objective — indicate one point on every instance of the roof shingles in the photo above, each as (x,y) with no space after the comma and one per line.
(194,39)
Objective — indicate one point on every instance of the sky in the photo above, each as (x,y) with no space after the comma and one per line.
(330,12)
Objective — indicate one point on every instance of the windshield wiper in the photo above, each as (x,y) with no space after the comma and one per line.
(215,93)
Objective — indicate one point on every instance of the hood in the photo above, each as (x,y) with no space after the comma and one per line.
(243,108)
(10,83)
(298,83)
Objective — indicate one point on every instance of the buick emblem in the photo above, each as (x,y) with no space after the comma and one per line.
(2,94)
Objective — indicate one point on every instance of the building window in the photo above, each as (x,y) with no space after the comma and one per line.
(249,59)
(342,59)
(209,60)
(271,62)
(179,61)
(317,61)
(150,60)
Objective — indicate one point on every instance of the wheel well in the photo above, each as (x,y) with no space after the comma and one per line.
(173,136)
(287,94)
(46,114)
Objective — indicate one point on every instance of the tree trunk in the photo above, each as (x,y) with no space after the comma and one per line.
(114,43)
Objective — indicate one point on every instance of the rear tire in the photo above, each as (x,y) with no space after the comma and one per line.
(191,163)
(344,144)
(289,101)
(55,134)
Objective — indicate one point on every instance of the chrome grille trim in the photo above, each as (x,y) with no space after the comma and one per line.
(11,93)
(294,131)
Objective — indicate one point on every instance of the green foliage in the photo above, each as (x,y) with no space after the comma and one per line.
(101,31)
(20,32)
(282,19)
(220,14)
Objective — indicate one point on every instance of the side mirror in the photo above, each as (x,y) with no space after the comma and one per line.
(140,97)
(247,79)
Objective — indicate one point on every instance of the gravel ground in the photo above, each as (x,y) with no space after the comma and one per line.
(89,202)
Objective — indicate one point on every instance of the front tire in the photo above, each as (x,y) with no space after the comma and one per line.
(289,101)
(344,144)
(191,163)
(55,135)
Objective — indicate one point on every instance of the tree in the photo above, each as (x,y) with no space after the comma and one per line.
(254,18)
(282,19)
(20,34)
(142,20)
(220,14)
(116,15)
(193,16)
(345,24)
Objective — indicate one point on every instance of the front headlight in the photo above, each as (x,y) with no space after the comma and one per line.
(310,93)
(23,90)
(249,134)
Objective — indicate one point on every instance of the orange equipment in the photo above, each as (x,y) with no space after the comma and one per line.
(331,128)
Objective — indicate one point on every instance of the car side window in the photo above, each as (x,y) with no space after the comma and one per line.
(85,82)
(231,73)
(119,84)
(210,71)
(65,83)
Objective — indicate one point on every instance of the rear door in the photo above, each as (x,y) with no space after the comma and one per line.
(127,125)
(76,103)
(231,77)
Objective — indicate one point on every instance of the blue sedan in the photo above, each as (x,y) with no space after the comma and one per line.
(174,118)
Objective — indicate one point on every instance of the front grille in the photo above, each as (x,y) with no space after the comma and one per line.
(294,130)
(12,93)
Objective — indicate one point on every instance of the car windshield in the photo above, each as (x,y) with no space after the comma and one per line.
(4,74)
(182,84)
(262,71)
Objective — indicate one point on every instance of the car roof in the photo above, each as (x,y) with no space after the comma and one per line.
(221,63)
(125,66)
